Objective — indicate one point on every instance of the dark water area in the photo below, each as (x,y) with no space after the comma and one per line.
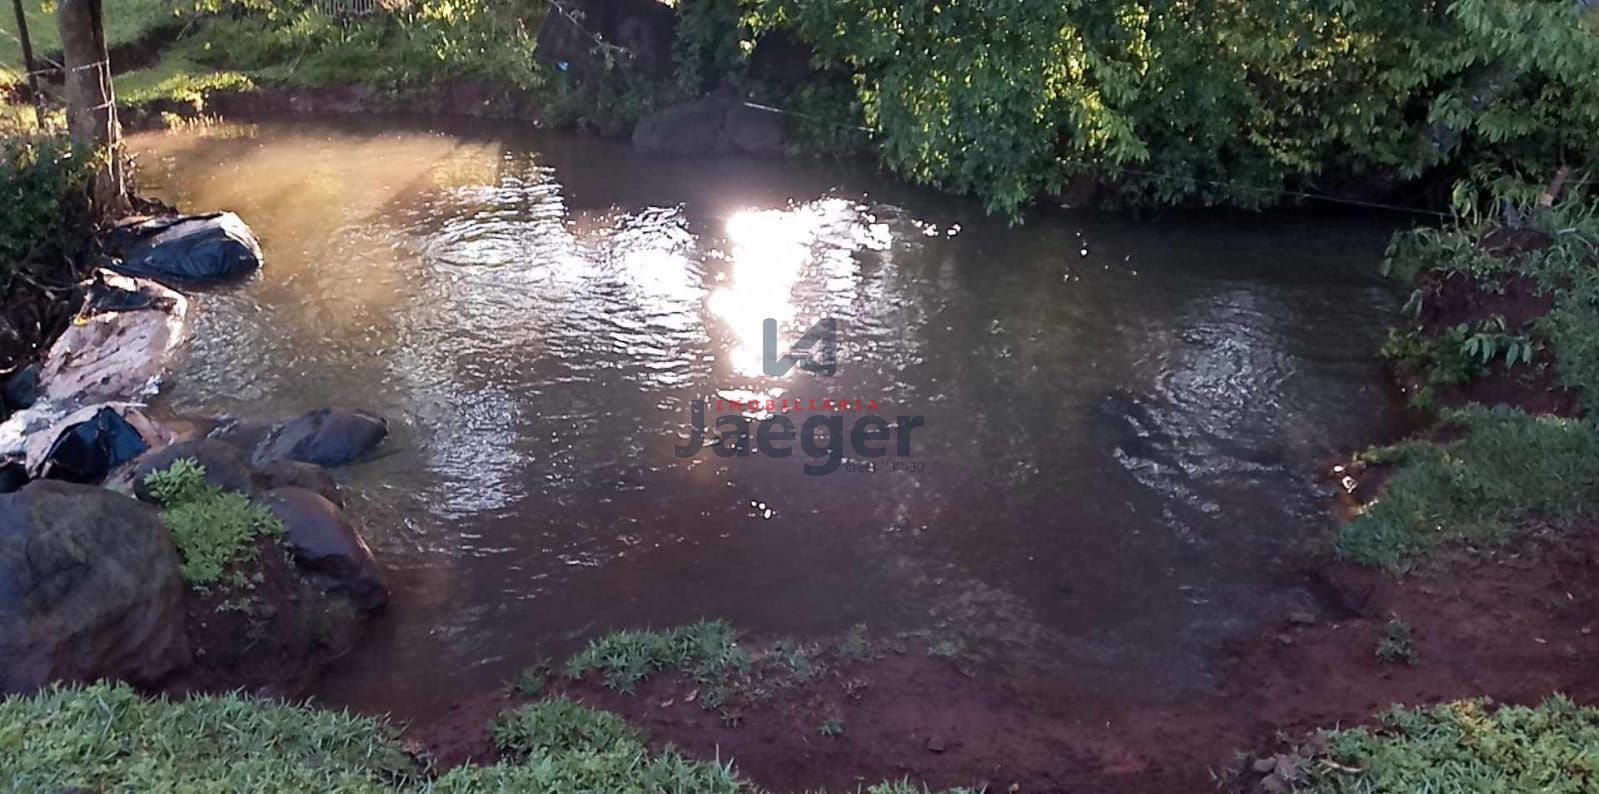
(1125,420)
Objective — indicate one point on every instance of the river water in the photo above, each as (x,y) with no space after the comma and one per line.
(1124,420)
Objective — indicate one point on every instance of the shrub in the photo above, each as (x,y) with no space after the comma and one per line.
(215,531)
(48,226)
(1209,103)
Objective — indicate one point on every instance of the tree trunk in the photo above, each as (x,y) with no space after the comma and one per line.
(91,103)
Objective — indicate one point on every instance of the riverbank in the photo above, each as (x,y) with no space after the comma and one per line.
(1495,604)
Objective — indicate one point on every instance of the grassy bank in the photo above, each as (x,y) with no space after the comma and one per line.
(1502,338)
(125,21)
(1462,746)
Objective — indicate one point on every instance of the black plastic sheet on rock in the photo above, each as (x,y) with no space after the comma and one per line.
(191,249)
(86,452)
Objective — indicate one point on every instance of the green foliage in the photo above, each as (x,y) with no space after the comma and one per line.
(177,79)
(290,42)
(48,224)
(706,650)
(711,45)
(107,738)
(1397,645)
(1563,262)
(831,727)
(1466,746)
(1225,102)
(1459,354)
(215,531)
(1504,468)
(560,725)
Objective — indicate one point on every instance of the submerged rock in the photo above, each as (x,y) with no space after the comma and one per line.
(188,249)
(294,474)
(89,588)
(326,437)
(324,541)
(710,124)
(693,127)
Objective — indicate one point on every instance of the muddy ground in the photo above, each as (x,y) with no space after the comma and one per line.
(1515,625)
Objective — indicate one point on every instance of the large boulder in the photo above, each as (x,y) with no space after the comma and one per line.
(323,541)
(225,466)
(89,588)
(188,249)
(640,31)
(326,437)
(693,127)
(754,130)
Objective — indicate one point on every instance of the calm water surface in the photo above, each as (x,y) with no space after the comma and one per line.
(1124,420)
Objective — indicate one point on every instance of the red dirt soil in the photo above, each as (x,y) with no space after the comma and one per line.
(1516,626)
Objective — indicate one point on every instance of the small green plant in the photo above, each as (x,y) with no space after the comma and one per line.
(1489,341)
(792,660)
(831,727)
(1397,645)
(531,681)
(559,725)
(706,651)
(215,531)
(857,644)
(944,648)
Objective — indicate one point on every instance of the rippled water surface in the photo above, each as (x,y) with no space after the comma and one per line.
(1123,419)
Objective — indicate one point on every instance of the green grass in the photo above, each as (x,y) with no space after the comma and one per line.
(560,725)
(105,737)
(179,79)
(125,20)
(215,531)
(1468,746)
(707,651)
(1505,468)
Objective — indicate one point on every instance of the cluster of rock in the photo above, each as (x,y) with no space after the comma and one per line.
(90,583)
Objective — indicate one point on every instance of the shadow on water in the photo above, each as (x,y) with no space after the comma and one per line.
(1123,419)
